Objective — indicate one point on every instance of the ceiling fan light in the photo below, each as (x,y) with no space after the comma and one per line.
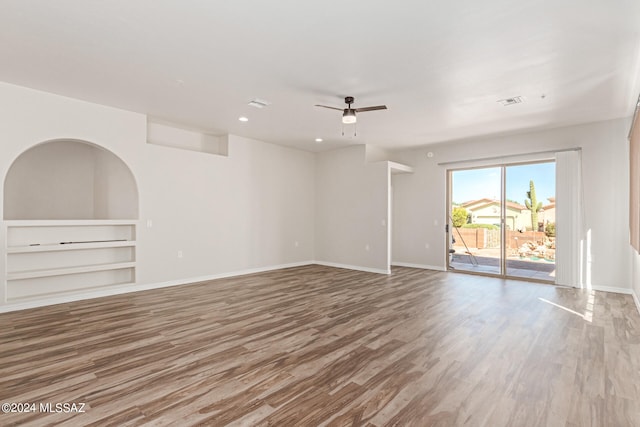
(349,116)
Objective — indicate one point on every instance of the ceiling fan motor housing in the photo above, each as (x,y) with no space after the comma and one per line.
(349,116)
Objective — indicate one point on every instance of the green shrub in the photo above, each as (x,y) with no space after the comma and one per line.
(459,216)
(550,229)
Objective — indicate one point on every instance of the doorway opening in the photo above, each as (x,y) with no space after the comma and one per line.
(502,221)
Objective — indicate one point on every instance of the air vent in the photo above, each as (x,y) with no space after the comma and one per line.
(511,101)
(259,103)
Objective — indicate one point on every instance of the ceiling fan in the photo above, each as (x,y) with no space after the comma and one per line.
(349,114)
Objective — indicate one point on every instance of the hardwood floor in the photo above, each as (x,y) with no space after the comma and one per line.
(316,346)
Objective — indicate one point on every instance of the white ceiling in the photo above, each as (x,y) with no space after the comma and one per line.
(439,66)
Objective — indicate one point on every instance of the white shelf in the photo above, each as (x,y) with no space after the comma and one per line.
(20,275)
(67,222)
(52,247)
(38,264)
(63,297)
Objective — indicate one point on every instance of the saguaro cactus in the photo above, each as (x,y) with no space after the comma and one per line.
(533,205)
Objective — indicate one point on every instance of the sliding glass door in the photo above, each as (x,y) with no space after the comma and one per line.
(531,207)
(502,220)
(475,220)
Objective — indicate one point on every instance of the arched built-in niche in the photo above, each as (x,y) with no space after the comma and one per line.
(69,179)
(70,210)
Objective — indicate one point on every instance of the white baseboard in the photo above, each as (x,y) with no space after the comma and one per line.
(422,266)
(612,289)
(636,299)
(124,289)
(352,267)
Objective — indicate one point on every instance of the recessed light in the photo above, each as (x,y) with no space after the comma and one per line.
(318,139)
(243,119)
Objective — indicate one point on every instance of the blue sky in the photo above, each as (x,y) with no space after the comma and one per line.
(474,184)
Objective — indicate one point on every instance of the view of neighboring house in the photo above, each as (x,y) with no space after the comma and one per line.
(518,217)
(548,213)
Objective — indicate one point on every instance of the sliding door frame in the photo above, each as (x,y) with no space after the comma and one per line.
(503,214)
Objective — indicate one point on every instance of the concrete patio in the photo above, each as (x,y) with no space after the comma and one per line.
(516,267)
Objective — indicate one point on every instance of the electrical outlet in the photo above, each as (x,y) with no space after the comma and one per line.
(366,248)
(296,244)
(426,246)
(179,254)
(149,223)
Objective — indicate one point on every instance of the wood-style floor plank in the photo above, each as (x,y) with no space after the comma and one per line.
(320,346)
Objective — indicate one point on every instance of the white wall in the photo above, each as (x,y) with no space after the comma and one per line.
(172,136)
(115,191)
(66,179)
(418,219)
(352,199)
(226,214)
(52,181)
(420,198)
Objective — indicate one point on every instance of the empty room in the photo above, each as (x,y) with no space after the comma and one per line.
(328,213)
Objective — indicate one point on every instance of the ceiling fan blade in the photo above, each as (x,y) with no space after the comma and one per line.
(377,107)
(331,108)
